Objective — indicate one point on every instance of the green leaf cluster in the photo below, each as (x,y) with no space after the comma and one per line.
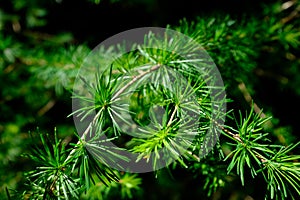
(40,73)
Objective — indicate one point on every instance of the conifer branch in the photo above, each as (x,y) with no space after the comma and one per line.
(133,80)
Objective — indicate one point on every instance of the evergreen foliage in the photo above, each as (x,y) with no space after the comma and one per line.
(66,164)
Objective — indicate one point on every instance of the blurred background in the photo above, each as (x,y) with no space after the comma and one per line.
(42,44)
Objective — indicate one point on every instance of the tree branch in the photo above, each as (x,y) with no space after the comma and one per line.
(135,78)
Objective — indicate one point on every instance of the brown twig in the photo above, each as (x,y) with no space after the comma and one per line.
(172,116)
(46,108)
(249,99)
(135,78)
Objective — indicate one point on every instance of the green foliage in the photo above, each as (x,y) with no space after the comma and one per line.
(220,37)
(37,76)
(128,186)
(51,179)
(213,174)
(61,174)
(281,172)
(170,132)
(253,150)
